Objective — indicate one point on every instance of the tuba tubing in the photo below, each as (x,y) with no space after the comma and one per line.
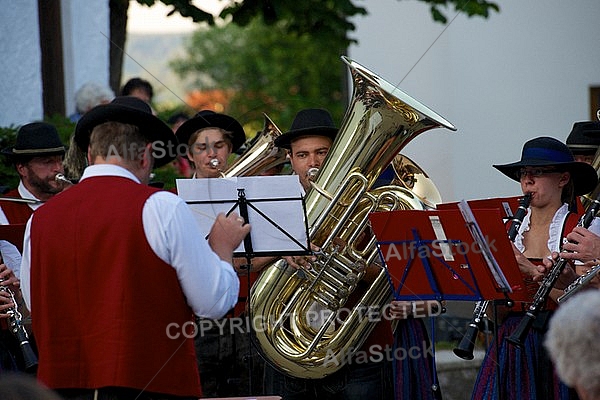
(378,123)
(261,155)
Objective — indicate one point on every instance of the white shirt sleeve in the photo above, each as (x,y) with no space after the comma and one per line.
(11,256)
(26,265)
(210,284)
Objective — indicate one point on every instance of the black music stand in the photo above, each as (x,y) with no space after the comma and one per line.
(278,219)
(273,205)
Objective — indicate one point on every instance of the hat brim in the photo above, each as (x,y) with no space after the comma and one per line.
(9,151)
(286,139)
(225,122)
(584,176)
(150,126)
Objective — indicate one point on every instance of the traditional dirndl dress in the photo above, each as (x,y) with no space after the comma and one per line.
(414,369)
(512,373)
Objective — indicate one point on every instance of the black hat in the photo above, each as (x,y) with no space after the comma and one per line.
(309,122)
(36,139)
(210,119)
(547,151)
(584,137)
(133,111)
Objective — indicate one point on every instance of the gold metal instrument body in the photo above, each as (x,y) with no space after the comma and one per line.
(378,123)
(412,177)
(261,155)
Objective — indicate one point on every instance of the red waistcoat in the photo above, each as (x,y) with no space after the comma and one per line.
(106,310)
(16,213)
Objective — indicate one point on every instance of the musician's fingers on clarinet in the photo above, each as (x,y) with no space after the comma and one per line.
(7,277)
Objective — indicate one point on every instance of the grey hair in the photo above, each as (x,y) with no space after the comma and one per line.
(90,95)
(573,344)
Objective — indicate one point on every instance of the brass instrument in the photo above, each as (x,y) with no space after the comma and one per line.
(378,123)
(410,176)
(261,155)
(61,178)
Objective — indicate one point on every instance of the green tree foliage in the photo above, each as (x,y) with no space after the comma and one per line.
(332,17)
(267,70)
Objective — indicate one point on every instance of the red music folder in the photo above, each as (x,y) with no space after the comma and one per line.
(507,205)
(432,254)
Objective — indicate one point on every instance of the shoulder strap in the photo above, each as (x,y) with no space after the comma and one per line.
(570,223)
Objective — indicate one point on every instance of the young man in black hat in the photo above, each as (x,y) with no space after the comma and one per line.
(139,264)
(308,142)
(583,141)
(227,364)
(210,138)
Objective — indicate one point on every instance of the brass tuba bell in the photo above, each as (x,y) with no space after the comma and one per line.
(378,123)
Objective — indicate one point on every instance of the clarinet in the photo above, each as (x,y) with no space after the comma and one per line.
(519,335)
(579,283)
(15,324)
(466,345)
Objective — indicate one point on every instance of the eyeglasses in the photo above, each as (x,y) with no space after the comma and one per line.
(535,172)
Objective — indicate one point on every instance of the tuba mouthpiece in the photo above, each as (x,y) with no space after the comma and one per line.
(312,173)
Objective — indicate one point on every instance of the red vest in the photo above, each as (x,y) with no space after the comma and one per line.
(106,310)
(16,213)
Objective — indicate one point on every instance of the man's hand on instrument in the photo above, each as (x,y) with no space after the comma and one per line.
(583,245)
(8,280)
(303,262)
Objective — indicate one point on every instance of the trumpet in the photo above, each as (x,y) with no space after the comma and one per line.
(579,283)
(15,324)
(466,345)
(519,335)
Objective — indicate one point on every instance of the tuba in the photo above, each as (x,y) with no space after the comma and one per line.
(260,155)
(378,123)
(410,176)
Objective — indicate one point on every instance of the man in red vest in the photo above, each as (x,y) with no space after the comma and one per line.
(113,310)
(37,157)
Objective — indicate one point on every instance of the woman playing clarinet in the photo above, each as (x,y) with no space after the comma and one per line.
(547,171)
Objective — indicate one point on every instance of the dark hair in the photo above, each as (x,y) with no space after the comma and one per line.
(180,116)
(135,83)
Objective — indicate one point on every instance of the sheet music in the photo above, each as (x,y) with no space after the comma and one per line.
(279,198)
(483,245)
